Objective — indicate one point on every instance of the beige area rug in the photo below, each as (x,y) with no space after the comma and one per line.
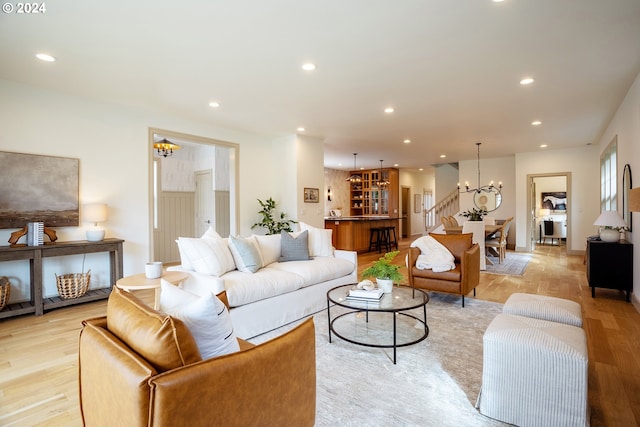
(514,264)
(434,383)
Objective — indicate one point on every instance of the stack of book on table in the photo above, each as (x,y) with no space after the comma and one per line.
(364,295)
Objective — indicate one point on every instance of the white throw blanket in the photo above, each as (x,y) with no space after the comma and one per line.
(433,255)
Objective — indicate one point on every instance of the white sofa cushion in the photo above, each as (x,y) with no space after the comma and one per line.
(265,283)
(245,253)
(319,240)
(319,269)
(207,256)
(207,318)
(269,248)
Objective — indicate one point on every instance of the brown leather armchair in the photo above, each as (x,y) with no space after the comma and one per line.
(140,367)
(460,280)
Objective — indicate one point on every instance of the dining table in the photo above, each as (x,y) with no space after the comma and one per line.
(488,231)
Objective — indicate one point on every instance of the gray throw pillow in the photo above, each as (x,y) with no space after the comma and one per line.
(294,248)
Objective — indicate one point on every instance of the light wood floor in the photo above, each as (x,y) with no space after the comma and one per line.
(38,355)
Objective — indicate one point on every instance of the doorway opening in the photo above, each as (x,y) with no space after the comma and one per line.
(190,190)
(549,206)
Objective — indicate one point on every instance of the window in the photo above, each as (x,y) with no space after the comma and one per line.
(608,177)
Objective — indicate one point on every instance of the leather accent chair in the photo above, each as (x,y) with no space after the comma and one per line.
(462,279)
(141,367)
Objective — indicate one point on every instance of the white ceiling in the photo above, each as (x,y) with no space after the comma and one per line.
(449,67)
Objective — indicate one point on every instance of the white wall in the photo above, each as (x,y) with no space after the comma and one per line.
(112,144)
(447,177)
(418,182)
(583,165)
(626,125)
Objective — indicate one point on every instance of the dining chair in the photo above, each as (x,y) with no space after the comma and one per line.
(500,242)
(454,222)
(445,221)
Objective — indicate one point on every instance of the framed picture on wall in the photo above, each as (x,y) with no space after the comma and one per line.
(555,201)
(311,195)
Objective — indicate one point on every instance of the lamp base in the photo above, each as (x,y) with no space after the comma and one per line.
(95,235)
(609,235)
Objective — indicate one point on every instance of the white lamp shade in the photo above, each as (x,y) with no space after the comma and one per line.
(610,219)
(544,212)
(94,212)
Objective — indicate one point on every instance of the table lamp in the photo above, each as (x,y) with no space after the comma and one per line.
(609,222)
(95,212)
(544,212)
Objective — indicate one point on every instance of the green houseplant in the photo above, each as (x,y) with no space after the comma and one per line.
(269,222)
(474,214)
(385,272)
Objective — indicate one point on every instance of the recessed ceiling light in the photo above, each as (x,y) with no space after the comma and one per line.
(442,156)
(421,169)
(214,104)
(395,165)
(45,57)
(497,1)
(300,129)
(407,141)
(543,145)
(308,66)
(527,81)
(536,123)
(389,110)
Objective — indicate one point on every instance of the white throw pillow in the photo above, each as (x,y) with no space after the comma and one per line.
(269,248)
(185,262)
(207,256)
(207,318)
(211,234)
(245,253)
(319,240)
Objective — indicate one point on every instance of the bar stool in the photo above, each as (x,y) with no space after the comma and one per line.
(380,238)
(392,242)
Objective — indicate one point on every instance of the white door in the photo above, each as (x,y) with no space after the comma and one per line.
(205,202)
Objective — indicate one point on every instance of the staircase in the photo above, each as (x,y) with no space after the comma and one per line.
(450,205)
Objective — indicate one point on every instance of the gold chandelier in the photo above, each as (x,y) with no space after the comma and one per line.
(165,148)
(382,182)
(355,178)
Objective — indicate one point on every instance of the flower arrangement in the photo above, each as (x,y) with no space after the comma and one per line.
(474,214)
(383,269)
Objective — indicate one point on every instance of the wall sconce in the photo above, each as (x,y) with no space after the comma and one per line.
(95,212)
(329,194)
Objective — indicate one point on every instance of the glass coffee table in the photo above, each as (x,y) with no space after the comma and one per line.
(384,324)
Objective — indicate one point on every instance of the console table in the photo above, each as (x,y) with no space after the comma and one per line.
(37,304)
(610,265)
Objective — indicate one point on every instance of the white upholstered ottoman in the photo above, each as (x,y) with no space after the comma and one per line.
(545,308)
(534,373)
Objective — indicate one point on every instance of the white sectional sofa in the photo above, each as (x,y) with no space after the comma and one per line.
(268,282)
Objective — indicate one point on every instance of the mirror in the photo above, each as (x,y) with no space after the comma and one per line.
(488,199)
(626,186)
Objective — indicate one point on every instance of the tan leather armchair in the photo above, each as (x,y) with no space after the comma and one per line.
(163,382)
(461,280)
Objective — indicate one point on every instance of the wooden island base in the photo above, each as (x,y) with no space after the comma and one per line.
(352,233)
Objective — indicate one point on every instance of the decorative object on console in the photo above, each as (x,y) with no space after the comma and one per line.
(95,212)
(165,148)
(385,272)
(610,224)
(481,192)
(16,235)
(268,221)
(35,233)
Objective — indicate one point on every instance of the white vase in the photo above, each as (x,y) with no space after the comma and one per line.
(385,284)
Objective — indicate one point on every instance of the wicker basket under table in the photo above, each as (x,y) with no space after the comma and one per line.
(5,291)
(73,285)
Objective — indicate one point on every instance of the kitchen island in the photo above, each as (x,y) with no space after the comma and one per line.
(352,233)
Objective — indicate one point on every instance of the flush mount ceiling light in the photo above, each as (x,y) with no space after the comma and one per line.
(165,148)
(527,81)
(308,66)
(355,177)
(45,57)
(389,110)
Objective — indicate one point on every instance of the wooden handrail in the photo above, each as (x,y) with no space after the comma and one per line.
(448,206)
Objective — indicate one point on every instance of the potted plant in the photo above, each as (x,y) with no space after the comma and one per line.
(272,225)
(474,214)
(385,272)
